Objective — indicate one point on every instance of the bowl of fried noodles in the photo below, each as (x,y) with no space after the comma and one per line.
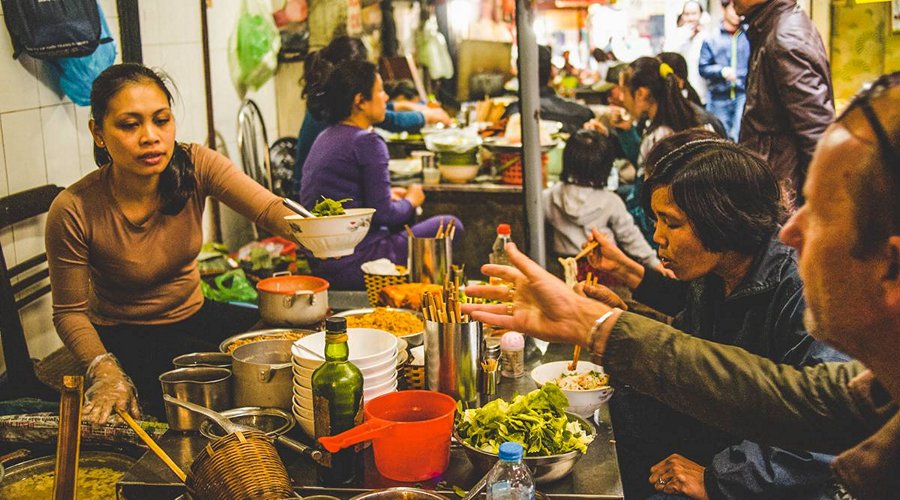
(587,387)
(404,323)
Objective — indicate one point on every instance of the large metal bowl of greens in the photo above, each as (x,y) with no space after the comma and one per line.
(556,445)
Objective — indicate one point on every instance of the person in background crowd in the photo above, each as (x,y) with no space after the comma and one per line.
(717,207)
(723,63)
(350,161)
(651,94)
(553,107)
(122,246)
(790,101)
(679,65)
(687,39)
(400,117)
(401,91)
(847,237)
(580,200)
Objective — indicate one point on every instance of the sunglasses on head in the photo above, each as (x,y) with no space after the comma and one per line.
(863,101)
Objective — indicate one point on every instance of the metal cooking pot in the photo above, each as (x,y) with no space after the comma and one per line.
(262,374)
(206,386)
(287,300)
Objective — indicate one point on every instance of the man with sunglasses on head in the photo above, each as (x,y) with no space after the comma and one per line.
(848,239)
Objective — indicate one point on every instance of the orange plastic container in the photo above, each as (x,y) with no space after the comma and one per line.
(410,433)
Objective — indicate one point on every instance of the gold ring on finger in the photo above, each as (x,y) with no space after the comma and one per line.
(509,309)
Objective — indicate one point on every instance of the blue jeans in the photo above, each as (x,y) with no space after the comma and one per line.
(729,111)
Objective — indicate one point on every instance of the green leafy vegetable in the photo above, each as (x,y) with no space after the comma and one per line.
(328,207)
(536,420)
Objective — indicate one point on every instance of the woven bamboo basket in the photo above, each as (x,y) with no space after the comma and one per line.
(414,376)
(375,282)
(241,465)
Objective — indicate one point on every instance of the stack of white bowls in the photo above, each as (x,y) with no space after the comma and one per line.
(374,352)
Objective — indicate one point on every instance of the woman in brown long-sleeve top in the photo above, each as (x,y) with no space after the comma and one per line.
(123,241)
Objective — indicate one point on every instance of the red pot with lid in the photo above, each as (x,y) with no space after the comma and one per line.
(287,300)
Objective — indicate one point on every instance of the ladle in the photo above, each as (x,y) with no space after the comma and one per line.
(298,208)
(230,427)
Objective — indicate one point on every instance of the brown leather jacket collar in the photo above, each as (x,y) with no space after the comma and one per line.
(761,19)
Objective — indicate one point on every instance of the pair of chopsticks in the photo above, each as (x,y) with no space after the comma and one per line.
(586,250)
(590,280)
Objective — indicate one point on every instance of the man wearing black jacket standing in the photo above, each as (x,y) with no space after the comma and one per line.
(789,94)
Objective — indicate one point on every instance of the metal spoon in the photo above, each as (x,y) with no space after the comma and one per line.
(230,426)
(472,493)
(297,208)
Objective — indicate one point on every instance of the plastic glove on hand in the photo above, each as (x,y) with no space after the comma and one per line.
(108,388)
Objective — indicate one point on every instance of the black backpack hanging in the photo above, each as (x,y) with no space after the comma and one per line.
(53,28)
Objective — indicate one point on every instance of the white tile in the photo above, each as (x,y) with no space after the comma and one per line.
(61,153)
(28,238)
(82,132)
(9,247)
(222,18)
(4,186)
(18,87)
(169,22)
(24,148)
(37,321)
(184,65)
(49,91)
(109,8)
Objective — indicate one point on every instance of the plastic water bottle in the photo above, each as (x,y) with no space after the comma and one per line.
(510,479)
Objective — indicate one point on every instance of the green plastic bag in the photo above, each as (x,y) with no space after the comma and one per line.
(232,286)
(253,46)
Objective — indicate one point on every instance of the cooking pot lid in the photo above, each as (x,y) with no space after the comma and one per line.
(289,285)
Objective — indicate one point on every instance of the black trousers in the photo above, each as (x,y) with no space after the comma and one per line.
(146,351)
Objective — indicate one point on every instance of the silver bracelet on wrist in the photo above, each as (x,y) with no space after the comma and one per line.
(596,328)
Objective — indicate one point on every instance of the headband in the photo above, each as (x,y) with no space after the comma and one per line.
(681,150)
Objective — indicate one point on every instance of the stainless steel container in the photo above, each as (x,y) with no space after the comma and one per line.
(213,359)
(429,260)
(452,359)
(206,386)
(402,493)
(286,300)
(544,469)
(262,374)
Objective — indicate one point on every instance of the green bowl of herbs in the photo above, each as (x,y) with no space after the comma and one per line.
(553,439)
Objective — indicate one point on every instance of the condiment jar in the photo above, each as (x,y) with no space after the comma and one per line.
(512,355)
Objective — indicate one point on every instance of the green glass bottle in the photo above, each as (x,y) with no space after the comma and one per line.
(337,388)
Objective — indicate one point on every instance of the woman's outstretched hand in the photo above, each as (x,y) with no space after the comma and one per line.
(539,304)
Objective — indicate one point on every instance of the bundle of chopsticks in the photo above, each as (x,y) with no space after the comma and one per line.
(443,306)
(448,232)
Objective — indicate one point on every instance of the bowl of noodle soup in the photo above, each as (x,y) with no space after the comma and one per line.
(587,387)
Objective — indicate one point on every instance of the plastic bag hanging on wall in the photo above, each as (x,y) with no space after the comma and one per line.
(77,74)
(253,47)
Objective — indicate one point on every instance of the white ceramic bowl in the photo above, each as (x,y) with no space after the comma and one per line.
(307,424)
(582,403)
(334,235)
(302,371)
(303,412)
(381,390)
(458,174)
(369,381)
(368,348)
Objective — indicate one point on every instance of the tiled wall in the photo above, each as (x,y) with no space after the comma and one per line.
(44,137)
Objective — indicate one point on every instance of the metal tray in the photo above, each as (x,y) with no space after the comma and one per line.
(273,421)
(413,339)
(272,332)
(27,469)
